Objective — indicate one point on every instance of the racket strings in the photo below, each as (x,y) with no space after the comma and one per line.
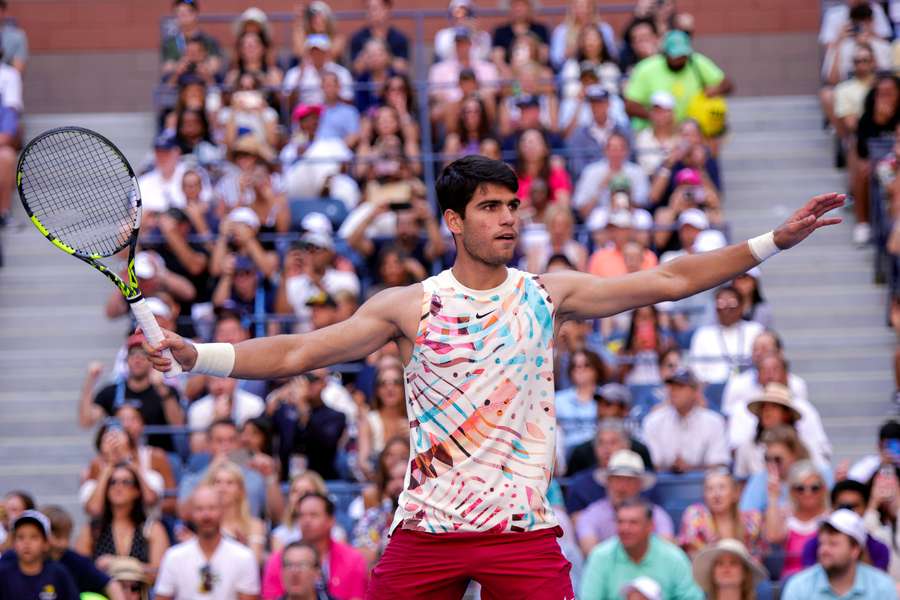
(81,191)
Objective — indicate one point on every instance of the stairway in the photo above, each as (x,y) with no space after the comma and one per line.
(829,312)
(51,326)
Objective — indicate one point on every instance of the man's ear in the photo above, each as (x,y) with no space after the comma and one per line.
(454,221)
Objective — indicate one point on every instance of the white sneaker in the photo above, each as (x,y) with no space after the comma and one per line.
(862,234)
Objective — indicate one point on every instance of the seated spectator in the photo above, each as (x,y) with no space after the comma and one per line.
(521,22)
(339,119)
(301,572)
(388,147)
(471,128)
(346,572)
(444,76)
(695,202)
(641,40)
(210,562)
(593,52)
(610,261)
(378,26)
(593,187)
(846,103)
(11,107)
(462,14)
(837,19)
(624,479)
(633,552)
(14,504)
(838,64)
(854,496)
(161,187)
(533,161)
(682,434)
(585,487)
(122,527)
(753,305)
(248,115)
(317,18)
(288,531)
(705,524)
(865,469)
(128,575)
(376,70)
(840,571)
(564,42)
(224,401)
(553,237)
(237,523)
(647,339)
(252,54)
(533,108)
(157,402)
(32,572)
(303,83)
(693,153)
(386,419)
(679,70)
(726,570)
(174,46)
(155,280)
(720,350)
(370,535)
(883,510)
(657,142)
(239,286)
(587,142)
(575,111)
(576,413)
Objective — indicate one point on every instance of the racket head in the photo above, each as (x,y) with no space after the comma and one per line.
(80,192)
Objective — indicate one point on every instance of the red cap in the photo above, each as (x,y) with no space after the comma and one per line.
(302,111)
(135,339)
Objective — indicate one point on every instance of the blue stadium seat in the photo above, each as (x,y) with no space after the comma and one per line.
(643,398)
(332,208)
(676,492)
(713,393)
(342,493)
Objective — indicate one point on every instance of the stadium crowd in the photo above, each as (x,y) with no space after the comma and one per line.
(288,184)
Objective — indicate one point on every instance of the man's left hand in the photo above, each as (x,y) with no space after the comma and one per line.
(809,218)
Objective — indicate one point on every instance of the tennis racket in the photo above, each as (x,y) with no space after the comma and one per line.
(82,195)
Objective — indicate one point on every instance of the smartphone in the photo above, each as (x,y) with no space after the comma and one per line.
(893,446)
(400,206)
(855,28)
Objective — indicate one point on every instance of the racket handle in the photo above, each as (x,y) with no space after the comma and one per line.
(151,329)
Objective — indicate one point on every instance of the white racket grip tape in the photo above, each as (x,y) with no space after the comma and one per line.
(152,331)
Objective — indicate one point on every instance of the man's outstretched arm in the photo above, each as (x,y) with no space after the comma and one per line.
(583,296)
(373,325)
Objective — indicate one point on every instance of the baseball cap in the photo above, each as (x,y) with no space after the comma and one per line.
(645,586)
(615,393)
(462,33)
(662,99)
(596,93)
(454,4)
(35,517)
(677,44)
(126,568)
(693,217)
(301,111)
(318,239)
(135,340)
(321,298)
(245,215)
(620,218)
(683,376)
(849,523)
(243,263)
(318,40)
(626,463)
(317,222)
(524,100)
(688,177)
(165,140)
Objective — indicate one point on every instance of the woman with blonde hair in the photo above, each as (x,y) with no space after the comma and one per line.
(237,522)
(726,571)
(288,531)
(386,419)
(564,40)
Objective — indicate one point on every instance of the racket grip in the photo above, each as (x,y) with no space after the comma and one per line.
(151,329)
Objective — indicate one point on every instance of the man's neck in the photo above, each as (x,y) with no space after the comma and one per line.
(31,567)
(323,547)
(684,411)
(310,595)
(841,583)
(138,384)
(637,553)
(478,275)
(209,543)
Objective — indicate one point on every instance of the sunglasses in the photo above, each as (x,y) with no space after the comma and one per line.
(778,460)
(125,482)
(206,579)
(391,382)
(299,566)
(802,489)
(132,586)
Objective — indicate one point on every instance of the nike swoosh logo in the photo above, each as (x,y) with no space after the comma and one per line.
(478,316)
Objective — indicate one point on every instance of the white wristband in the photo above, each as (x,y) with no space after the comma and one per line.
(763,246)
(214,359)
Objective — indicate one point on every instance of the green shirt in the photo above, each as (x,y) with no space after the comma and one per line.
(653,75)
(609,568)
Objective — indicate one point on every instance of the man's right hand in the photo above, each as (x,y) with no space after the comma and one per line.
(182,351)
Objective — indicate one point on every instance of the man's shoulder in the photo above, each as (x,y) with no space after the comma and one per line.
(605,550)
(236,551)
(875,580)
(650,65)
(664,547)
(348,555)
(183,549)
(802,584)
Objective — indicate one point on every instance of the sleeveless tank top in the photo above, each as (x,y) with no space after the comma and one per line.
(105,543)
(479,389)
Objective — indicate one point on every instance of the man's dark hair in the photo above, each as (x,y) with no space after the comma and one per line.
(560,258)
(226,422)
(60,521)
(459,181)
(861,12)
(191,3)
(637,503)
(890,430)
(301,544)
(329,505)
(726,289)
(849,485)
(779,343)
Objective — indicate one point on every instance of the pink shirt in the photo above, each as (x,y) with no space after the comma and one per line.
(443,78)
(347,574)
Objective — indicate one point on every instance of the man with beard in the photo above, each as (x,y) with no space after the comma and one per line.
(840,573)
(677,70)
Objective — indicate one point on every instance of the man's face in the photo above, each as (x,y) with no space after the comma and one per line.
(490,230)
(317,56)
(633,527)
(223,439)
(677,64)
(408,227)
(863,63)
(230,331)
(616,151)
(622,487)
(836,552)
(608,443)
(661,117)
(682,397)
(221,386)
(728,308)
(520,10)
(206,511)
(378,11)
(764,345)
(611,410)
(58,545)
(851,499)
(29,543)
(139,364)
(600,110)
(315,522)
(299,572)
(331,88)
(185,16)
(771,370)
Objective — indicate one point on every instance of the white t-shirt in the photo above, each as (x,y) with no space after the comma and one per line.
(588,187)
(306,80)
(714,348)
(10,88)
(233,566)
(837,17)
(244,406)
(301,288)
(159,194)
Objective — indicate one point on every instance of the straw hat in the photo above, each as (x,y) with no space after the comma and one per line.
(704,562)
(775,393)
(250,144)
(125,568)
(625,463)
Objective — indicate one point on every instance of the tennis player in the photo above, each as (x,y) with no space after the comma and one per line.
(477,342)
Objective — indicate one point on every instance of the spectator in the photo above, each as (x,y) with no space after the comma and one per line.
(720,350)
(157,402)
(317,18)
(13,41)
(444,76)
(194,136)
(224,401)
(678,70)
(533,161)
(238,288)
(31,574)
(301,572)
(593,52)
(521,22)
(585,487)
(657,142)
(593,187)
(174,46)
(209,563)
(634,552)
(564,42)
(691,152)
(161,187)
(624,479)
(388,149)
(647,341)
(462,14)
(576,411)
(11,107)
(554,237)
(574,112)
(839,571)
(718,517)
(534,108)
(846,104)
(589,141)
(252,55)
(371,532)
(346,571)
(123,517)
(855,496)
(610,261)
(386,420)
(339,120)
(378,19)
(682,434)
(727,570)
(376,70)
(753,305)
(14,504)
(288,531)
(640,41)
(237,523)
(837,19)
(838,64)
(472,127)
(303,83)
(883,510)
(865,469)
(128,575)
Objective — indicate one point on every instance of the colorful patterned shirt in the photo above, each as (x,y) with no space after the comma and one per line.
(479,389)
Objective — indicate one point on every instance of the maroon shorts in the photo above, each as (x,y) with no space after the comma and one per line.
(520,566)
